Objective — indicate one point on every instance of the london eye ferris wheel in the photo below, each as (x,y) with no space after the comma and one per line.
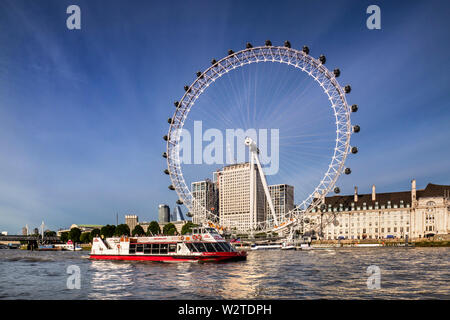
(339,122)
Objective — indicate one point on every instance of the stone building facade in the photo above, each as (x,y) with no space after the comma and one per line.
(414,213)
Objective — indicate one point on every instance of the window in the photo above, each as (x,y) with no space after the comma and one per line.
(132,248)
(172,247)
(200,247)
(163,248)
(147,248)
(209,247)
(225,246)
(155,248)
(139,247)
(191,247)
(217,247)
(212,230)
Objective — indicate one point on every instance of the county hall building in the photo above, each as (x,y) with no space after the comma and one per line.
(414,213)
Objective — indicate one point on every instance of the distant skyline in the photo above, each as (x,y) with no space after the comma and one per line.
(83,112)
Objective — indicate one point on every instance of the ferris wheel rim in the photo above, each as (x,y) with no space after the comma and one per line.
(296,58)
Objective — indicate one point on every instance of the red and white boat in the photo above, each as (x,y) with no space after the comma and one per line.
(203,245)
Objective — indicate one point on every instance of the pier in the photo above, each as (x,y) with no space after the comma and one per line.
(32,241)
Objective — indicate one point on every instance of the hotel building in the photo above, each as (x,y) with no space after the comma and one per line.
(416,213)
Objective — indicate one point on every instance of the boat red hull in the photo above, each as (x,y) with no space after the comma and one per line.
(206,257)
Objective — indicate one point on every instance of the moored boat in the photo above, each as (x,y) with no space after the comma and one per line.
(368,245)
(69,246)
(305,246)
(203,245)
(48,247)
(265,246)
(288,246)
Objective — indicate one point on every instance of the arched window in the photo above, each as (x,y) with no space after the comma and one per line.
(429,216)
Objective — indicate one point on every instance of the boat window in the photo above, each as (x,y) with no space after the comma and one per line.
(139,247)
(163,248)
(224,246)
(132,248)
(209,247)
(147,248)
(200,247)
(213,231)
(227,246)
(191,247)
(172,247)
(155,248)
(218,247)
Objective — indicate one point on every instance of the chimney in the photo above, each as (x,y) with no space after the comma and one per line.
(413,191)
(355,198)
(373,193)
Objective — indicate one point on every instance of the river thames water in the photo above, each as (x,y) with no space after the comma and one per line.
(405,273)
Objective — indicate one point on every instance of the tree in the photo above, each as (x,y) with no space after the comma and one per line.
(94,233)
(74,234)
(187,228)
(49,233)
(122,230)
(153,228)
(138,231)
(107,231)
(64,236)
(169,229)
(84,238)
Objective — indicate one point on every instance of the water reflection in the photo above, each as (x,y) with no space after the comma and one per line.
(413,273)
(110,280)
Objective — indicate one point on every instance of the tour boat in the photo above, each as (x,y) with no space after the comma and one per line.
(203,245)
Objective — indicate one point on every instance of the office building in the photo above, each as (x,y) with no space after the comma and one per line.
(282,199)
(205,195)
(163,213)
(234,197)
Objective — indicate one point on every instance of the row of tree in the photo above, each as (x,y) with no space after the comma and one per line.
(108,231)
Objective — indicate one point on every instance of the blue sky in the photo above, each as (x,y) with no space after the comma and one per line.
(82,112)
